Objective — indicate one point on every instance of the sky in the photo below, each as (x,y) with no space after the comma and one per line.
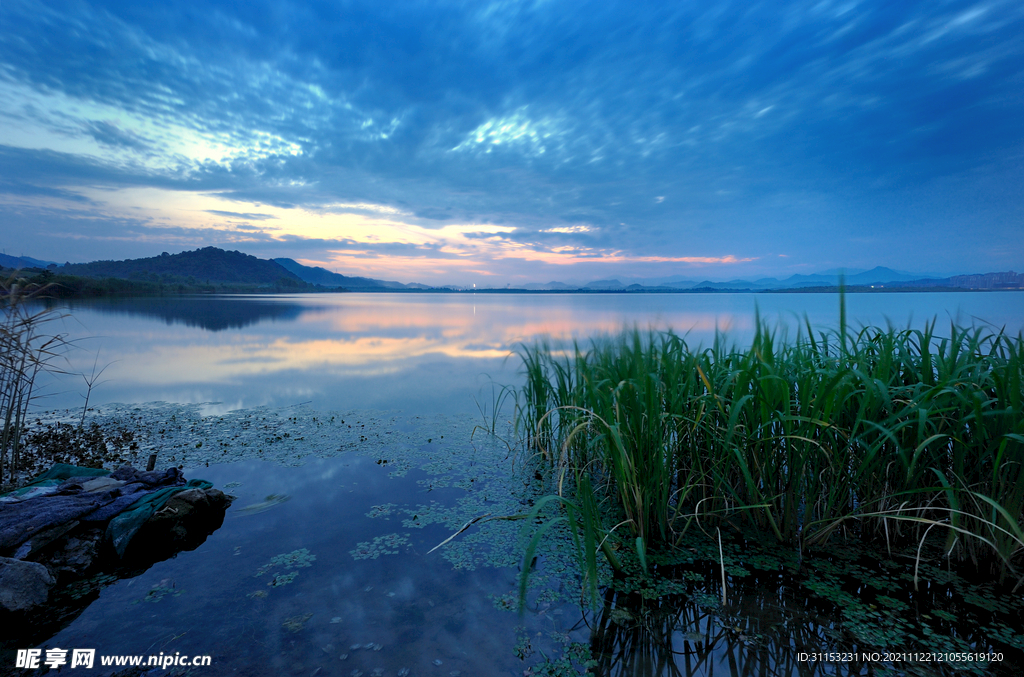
(497,143)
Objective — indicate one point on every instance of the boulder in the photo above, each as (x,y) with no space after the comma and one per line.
(75,555)
(183,523)
(23,585)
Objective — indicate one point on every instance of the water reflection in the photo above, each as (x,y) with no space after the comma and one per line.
(335,613)
(636,637)
(211,314)
(779,620)
(428,352)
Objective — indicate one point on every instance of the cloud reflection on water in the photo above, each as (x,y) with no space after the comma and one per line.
(430,351)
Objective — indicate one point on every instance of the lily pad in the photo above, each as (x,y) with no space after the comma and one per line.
(389,544)
(296,623)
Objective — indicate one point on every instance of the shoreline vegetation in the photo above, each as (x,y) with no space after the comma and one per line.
(61,286)
(215,271)
(26,350)
(882,437)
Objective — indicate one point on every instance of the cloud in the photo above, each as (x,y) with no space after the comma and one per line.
(516,131)
(110,134)
(19,188)
(568,229)
(434,214)
(240,215)
(654,130)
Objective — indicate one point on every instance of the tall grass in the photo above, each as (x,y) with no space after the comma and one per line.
(883,434)
(26,350)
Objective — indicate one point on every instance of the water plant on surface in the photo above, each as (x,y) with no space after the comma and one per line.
(670,618)
(388,544)
(883,434)
(290,561)
(296,623)
(89,446)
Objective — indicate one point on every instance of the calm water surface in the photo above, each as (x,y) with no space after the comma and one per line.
(425,355)
(419,352)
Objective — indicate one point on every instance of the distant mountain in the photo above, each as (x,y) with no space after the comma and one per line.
(211,265)
(878,275)
(875,276)
(604,284)
(549,286)
(731,285)
(208,265)
(19,262)
(217,266)
(325,278)
(1007,280)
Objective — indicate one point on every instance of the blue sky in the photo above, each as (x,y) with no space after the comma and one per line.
(494,143)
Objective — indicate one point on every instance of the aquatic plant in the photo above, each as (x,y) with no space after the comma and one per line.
(388,544)
(158,592)
(882,434)
(382,510)
(653,622)
(296,623)
(88,445)
(296,559)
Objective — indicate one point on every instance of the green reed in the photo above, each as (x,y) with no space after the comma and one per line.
(26,350)
(883,434)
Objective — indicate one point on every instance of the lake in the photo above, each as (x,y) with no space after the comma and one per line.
(347,427)
(419,352)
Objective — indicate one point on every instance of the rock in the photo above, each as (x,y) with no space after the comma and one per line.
(23,585)
(76,554)
(183,523)
(183,504)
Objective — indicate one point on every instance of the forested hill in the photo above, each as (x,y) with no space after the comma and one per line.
(208,265)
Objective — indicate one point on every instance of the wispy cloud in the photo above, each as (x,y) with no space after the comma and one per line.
(240,215)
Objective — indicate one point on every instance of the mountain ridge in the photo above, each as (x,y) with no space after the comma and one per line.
(18,262)
(214,265)
(326,278)
(209,264)
(880,275)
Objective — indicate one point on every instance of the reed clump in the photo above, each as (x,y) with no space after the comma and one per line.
(26,350)
(879,434)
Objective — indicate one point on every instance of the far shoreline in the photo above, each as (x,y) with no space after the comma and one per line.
(79,287)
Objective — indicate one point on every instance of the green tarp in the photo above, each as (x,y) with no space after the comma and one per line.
(123,528)
(64,471)
(51,478)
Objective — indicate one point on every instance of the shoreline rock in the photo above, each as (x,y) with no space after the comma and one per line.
(51,568)
(23,585)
